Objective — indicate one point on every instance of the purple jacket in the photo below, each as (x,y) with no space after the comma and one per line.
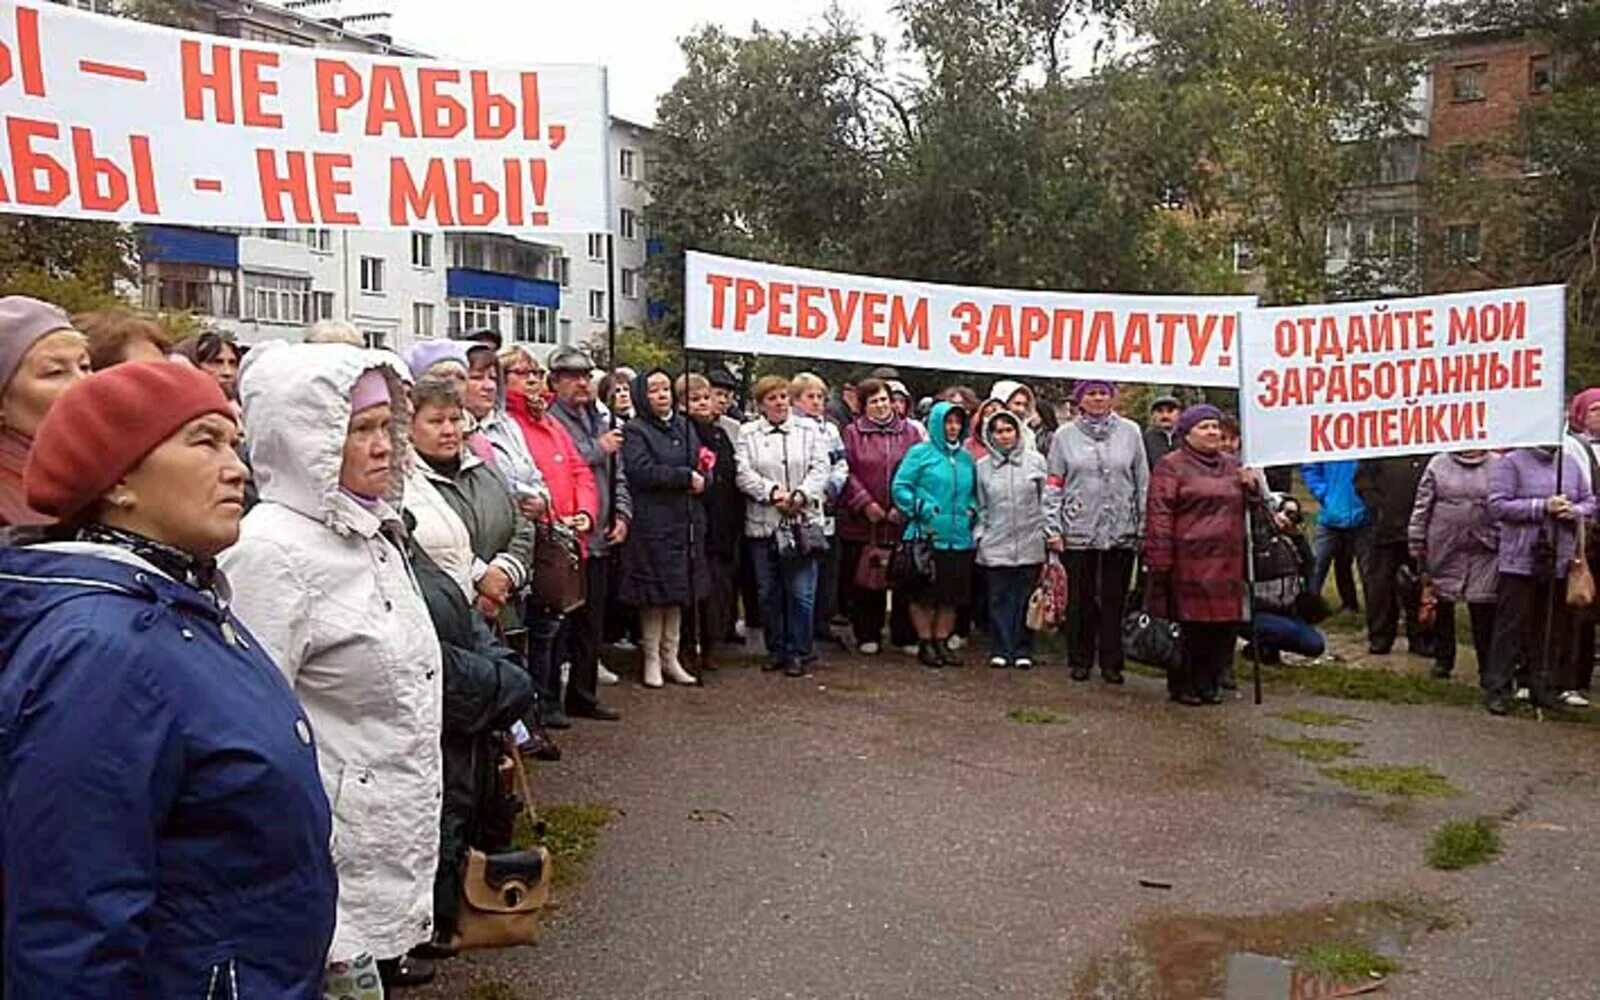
(873,452)
(1520,484)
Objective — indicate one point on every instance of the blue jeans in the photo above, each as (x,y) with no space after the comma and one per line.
(788,591)
(1009,589)
(1336,549)
(543,626)
(1282,634)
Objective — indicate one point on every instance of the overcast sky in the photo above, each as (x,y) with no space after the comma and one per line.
(636,39)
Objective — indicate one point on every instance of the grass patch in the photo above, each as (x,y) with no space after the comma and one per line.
(571,835)
(1036,716)
(1345,962)
(1356,684)
(1317,751)
(1323,720)
(1390,779)
(1463,843)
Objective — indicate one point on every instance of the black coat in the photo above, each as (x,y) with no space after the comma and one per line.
(722,500)
(654,571)
(1388,486)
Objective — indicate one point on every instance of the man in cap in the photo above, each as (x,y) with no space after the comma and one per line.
(486,338)
(1161,436)
(599,442)
(725,393)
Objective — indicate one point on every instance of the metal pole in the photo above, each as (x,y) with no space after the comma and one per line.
(1250,593)
(689,436)
(1541,679)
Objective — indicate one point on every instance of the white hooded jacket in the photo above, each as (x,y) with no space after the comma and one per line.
(333,601)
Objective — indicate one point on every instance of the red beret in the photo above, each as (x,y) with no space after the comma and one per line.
(103,426)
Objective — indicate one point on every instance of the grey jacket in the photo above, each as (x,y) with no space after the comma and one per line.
(1095,494)
(585,425)
(792,456)
(1011,514)
(1452,524)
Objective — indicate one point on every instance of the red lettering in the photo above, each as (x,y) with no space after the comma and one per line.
(813,321)
(274,185)
(1035,326)
(331,188)
(912,329)
(530,109)
(28,53)
(493,116)
(389,104)
(39,178)
(197,82)
(1001,336)
(92,170)
(844,312)
(443,117)
(719,284)
(873,305)
(338,89)
(970,317)
(477,203)
(408,204)
(780,303)
(254,88)
(749,298)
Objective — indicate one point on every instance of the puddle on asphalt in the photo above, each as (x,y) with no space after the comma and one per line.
(1185,956)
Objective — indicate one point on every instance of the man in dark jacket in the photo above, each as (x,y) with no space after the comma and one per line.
(1161,436)
(1388,489)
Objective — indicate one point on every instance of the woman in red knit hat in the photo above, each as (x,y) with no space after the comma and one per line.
(162,819)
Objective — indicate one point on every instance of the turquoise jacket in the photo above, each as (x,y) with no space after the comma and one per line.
(936,486)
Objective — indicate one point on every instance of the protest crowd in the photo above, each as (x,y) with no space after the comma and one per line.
(313,603)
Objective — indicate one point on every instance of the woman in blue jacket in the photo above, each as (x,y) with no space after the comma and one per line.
(936,489)
(163,827)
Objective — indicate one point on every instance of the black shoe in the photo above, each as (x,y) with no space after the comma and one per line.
(597,712)
(556,720)
(1496,704)
(1440,672)
(400,973)
(1079,673)
(1111,676)
(771,665)
(1380,648)
(539,746)
(947,656)
(794,669)
(1228,684)
(1212,698)
(1192,700)
(928,655)
(434,951)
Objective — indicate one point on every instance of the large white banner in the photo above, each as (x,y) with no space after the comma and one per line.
(1442,373)
(754,308)
(107,118)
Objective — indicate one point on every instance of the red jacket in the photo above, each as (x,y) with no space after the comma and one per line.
(1194,538)
(566,475)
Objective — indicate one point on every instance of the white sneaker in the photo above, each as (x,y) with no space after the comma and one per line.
(606,677)
(955,642)
(997,662)
(626,645)
(1573,699)
(868,649)
(738,628)
(911,650)
(1522,694)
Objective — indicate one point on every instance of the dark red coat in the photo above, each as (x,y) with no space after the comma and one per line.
(873,452)
(1194,539)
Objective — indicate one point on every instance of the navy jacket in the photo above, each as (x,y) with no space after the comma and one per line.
(162,824)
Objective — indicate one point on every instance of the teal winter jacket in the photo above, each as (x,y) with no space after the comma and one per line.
(936,486)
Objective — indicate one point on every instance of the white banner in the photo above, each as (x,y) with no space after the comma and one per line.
(107,118)
(1402,376)
(753,308)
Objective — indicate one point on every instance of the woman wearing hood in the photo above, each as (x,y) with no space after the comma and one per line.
(41,356)
(935,489)
(320,576)
(1096,503)
(664,459)
(164,828)
(874,445)
(1011,534)
(1454,538)
(1583,435)
(1018,398)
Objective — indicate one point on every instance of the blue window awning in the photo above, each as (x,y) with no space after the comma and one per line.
(465,283)
(181,245)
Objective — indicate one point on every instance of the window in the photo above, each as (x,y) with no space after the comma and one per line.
(1541,74)
(472,315)
(422,320)
(207,291)
(273,298)
(629,165)
(1463,242)
(597,246)
(422,250)
(566,331)
(533,325)
(1338,239)
(1401,162)
(280,235)
(372,275)
(375,339)
(564,271)
(321,306)
(320,240)
(630,283)
(629,227)
(497,255)
(597,304)
(1468,81)
(1244,257)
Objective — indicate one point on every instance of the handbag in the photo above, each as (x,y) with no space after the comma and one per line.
(1047,605)
(502,894)
(1149,639)
(912,566)
(799,538)
(1580,580)
(557,579)
(872,568)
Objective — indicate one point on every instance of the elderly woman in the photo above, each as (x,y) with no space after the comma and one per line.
(783,473)
(1455,540)
(1195,553)
(808,394)
(216,354)
(1012,534)
(724,511)
(874,445)
(1096,503)
(41,356)
(494,436)
(117,335)
(1538,541)
(163,826)
(662,453)
(935,490)
(320,576)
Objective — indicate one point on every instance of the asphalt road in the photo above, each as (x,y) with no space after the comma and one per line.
(884,831)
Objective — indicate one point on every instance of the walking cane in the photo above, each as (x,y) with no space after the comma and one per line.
(1250,594)
(689,437)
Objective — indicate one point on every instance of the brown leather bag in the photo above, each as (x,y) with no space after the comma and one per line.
(557,578)
(1580,580)
(502,894)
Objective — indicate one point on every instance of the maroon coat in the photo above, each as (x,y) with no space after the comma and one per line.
(873,452)
(1194,539)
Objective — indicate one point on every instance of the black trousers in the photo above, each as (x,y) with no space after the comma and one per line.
(1097,588)
(1481,617)
(582,633)
(1207,649)
(1519,634)
(1583,652)
(749,597)
(827,592)
(866,609)
(1386,604)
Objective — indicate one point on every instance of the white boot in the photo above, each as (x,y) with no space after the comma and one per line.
(650,645)
(670,633)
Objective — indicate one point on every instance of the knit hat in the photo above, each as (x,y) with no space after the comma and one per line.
(431,352)
(1195,415)
(103,427)
(23,323)
(1087,386)
(1577,416)
(371,389)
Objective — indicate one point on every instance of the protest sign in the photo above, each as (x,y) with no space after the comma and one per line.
(107,118)
(1364,379)
(754,308)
